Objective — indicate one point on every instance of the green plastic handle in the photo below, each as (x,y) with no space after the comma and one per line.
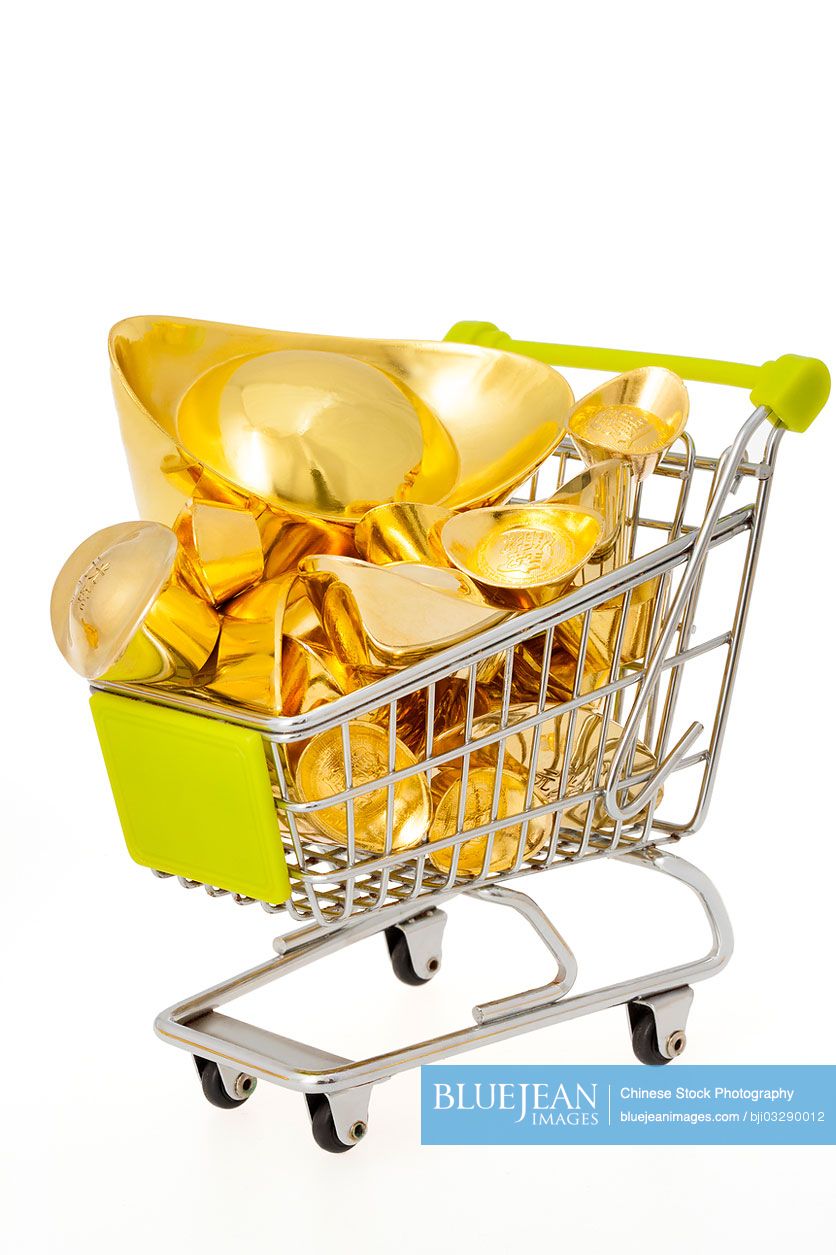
(793,388)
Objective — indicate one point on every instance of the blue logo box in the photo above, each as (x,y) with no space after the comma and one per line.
(471,1105)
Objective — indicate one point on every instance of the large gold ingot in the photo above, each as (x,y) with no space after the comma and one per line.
(320,773)
(119,613)
(522,556)
(480,789)
(486,419)
(635,418)
(372,614)
(221,552)
(403,531)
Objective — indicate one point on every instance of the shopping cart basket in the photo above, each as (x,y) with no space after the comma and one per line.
(205,792)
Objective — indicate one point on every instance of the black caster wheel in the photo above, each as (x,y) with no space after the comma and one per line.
(214,1090)
(645,1042)
(325,1131)
(402,960)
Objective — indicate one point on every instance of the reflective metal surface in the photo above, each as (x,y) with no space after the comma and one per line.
(118,611)
(467,424)
(221,551)
(635,417)
(488,796)
(373,614)
(404,531)
(522,556)
(323,771)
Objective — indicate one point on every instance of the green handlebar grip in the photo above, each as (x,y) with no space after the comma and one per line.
(793,388)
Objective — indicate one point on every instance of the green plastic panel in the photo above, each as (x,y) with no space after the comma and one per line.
(193,796)
(794,388)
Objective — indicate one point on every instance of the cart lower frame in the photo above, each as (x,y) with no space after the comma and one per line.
(338,1089)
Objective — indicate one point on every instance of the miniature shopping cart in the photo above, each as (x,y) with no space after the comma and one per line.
(206,794)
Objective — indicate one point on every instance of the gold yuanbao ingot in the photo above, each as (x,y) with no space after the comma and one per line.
(320,773)
(221,552)
(602,489)
(371,614)
(259,664)
(119,612)
(402,531)
(315,433)
(635,417)
(481,783)
(562,666)
(486,418)
(522,556)
(287,540)
(586,742)
(605,623)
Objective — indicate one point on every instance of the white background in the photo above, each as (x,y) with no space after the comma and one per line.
(646,175)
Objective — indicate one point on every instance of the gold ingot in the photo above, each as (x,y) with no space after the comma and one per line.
(635,417)
(446,424)
(449,710)
(320,774)
(372,614)
(586,742)
(605,623)
(287,540)
(119,613)
(221,552)
(481,784)
(402,531)
(562,666)
(522,556)
(602,489)
(310,678)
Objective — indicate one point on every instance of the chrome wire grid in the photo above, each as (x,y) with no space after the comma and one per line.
(332,883)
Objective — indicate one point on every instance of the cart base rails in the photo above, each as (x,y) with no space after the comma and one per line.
(232,1055)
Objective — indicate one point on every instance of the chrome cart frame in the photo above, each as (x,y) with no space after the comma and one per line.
(342,894)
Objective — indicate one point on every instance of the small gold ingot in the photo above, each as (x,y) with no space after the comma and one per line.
(562,666)
(320,774)
(505,848)
(221,551)
(118,611)
(586,741)
(602,489)
(403,531)
(446,424)
(605,623)
(373,615)
(287,540)
(522,556)
(635,417)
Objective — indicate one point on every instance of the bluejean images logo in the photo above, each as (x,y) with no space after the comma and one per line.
(541,1102)
(735,1105)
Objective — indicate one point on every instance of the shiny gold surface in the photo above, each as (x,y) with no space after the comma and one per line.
(320,773)
(403,531)
(635,417)
(522,556)
(586,741)
(477,811)
(118,612)
(372,614)
(287,540)
(603,490)
(605,622)
(221,552)
(528,668)
(499,413)
(315,433)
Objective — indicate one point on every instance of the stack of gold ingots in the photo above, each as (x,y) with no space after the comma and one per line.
(322,512)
